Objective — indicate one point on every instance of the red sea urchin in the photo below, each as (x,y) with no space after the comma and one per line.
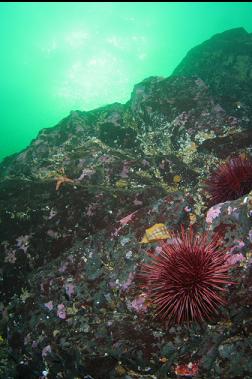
(185,281)
(230,181)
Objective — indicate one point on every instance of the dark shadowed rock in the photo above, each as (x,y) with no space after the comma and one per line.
(224,62)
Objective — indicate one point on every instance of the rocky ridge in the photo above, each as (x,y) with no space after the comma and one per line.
(76,202)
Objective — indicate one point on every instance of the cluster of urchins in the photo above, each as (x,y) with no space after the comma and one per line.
(187,279)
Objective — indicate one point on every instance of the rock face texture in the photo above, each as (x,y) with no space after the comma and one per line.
(225,63)
(75,205)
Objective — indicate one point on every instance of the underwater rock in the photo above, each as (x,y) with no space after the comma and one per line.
(224,63)
(70,302)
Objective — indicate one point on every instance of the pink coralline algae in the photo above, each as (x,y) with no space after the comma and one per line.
(126,285)
(158,249)
(34,344)
(61,312)
(63,267)
(187,209)
(113,284)
(235,258)
(138,304)
(124,221)
(213,213)
(250,235)
(239,245)
(230,210)
(49,305)
(47,350)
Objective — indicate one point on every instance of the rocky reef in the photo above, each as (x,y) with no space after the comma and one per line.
(75,205)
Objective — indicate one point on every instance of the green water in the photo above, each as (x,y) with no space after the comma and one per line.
(56,57)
